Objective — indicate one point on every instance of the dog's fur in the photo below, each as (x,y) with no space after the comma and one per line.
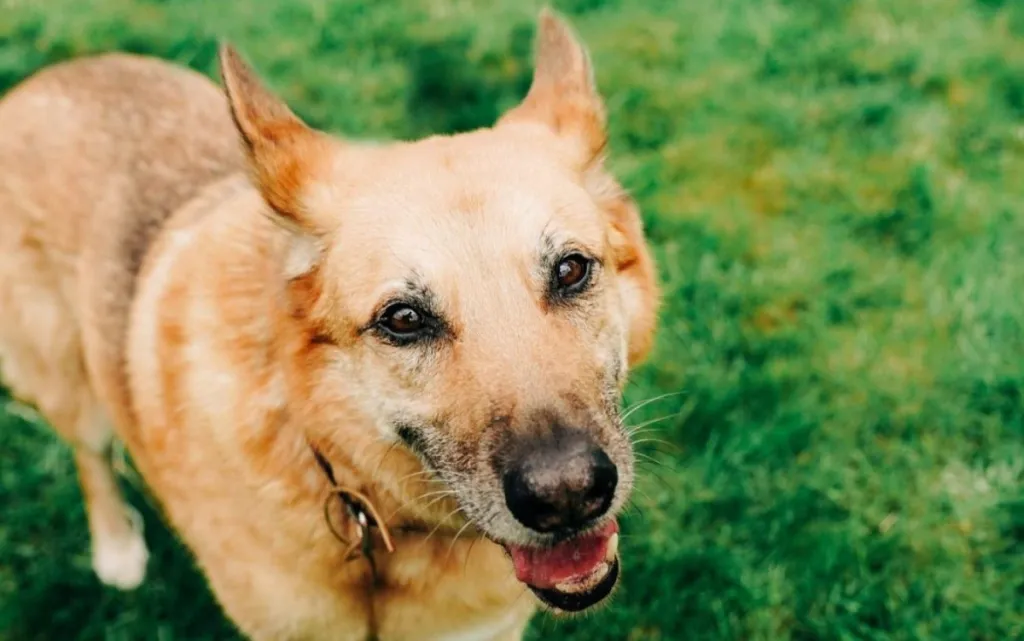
(212,303)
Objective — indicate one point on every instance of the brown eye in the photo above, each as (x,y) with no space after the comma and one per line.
(402,321)
(572,274)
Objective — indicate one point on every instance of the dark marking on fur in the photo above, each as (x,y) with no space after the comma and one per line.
(418,441)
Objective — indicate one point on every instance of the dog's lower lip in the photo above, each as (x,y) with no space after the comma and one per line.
(578,601)
(571,575)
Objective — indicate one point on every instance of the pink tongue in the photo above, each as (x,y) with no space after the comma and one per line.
(576,558)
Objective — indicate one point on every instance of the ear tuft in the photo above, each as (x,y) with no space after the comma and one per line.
(261,117)
(561,59)
(563,95)
(282,150)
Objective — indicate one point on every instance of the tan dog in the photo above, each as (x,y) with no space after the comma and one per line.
(447,323)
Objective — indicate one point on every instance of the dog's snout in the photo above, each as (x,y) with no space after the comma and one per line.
(560,484)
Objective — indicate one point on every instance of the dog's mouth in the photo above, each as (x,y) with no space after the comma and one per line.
(572,575)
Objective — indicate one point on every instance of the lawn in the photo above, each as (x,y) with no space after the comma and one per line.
(835,193)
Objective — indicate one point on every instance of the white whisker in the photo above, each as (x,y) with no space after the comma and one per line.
(632,429)
(440,523)
(636,406)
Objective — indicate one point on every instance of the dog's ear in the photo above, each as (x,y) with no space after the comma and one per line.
(563,95)
(283,152)
(637,280)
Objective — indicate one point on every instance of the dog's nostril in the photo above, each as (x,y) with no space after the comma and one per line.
(605,475)
(560,487)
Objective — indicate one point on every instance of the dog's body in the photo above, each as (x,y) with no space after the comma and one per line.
(151,288)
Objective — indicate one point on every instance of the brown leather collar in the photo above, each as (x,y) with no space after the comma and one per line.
(362,513)
(366,518)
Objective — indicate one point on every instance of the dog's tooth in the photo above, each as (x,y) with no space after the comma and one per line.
(613,547)
(587,583)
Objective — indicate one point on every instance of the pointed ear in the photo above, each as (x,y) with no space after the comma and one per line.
(563,95)
(283,151)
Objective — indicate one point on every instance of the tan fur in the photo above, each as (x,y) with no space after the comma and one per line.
(220,323)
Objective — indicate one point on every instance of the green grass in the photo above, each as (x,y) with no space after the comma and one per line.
(835,191)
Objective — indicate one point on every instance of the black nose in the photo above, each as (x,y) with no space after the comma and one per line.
(559,483)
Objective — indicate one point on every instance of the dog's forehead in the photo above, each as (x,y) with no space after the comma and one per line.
(477,190)
(452,211)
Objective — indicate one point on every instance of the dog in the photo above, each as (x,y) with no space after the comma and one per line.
(374,386)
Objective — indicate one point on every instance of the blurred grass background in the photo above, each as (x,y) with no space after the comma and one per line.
(834,189)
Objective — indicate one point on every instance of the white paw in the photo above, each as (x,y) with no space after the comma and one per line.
(121,563)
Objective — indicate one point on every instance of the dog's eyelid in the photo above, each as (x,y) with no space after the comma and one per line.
(422,306)
(434,326)
(557,251)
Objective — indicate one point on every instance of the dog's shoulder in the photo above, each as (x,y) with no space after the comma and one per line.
(96,153)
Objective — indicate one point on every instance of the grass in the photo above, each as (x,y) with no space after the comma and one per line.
(835,191)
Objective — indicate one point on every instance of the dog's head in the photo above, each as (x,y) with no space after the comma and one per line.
(480,296)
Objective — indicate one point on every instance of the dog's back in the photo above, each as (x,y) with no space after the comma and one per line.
(94,155)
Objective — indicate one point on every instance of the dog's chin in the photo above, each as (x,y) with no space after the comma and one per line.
(572,575)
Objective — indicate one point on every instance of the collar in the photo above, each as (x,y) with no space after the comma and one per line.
(364,516)
(361,512)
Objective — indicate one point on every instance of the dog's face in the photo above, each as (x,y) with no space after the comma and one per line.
(481,297)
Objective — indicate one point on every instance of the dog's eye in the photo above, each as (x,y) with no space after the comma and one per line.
(402,320)
(404,324)
(572,274)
